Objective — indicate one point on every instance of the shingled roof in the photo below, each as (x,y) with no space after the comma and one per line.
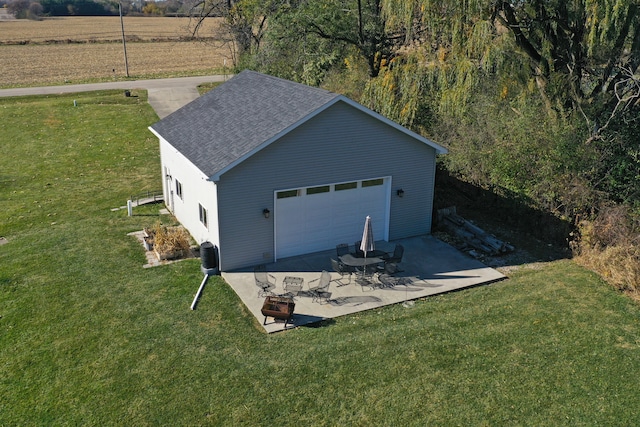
(231,122)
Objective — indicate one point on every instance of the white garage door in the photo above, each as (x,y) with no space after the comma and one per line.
(318,218)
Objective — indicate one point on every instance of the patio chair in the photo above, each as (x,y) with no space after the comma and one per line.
(264,281)
(320,291)
(398,252)
(343,270)
(390,268)
(387,281)
(358,251)
(342,249)
(367,279)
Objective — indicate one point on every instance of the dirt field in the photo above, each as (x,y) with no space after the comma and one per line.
(75,49)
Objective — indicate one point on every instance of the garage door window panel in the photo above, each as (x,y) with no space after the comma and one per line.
(318,190)
(287,194)
(346,186)
(372,182)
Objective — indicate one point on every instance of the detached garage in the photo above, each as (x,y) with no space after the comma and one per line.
(265,168)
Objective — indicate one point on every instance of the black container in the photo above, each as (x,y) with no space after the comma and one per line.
(208,255)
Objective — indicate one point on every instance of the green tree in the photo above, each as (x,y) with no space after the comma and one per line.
(578,50)
(346,28)
(575,52)
(359,24)
(571,60)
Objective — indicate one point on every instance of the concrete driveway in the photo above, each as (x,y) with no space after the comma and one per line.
(430,267)
(165,95)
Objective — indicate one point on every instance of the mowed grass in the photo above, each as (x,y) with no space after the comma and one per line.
(89,337)
(156,47)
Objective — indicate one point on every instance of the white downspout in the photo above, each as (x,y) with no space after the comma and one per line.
(195,300)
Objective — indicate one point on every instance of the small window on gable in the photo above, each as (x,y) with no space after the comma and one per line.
(179,189)
(287,193)
(203,215)
(346,186)
(372,182)
(318,190)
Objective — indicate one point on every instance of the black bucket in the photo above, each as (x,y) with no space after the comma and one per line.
(208,255)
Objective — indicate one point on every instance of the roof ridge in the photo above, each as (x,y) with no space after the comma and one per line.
(246,113)
(285,81)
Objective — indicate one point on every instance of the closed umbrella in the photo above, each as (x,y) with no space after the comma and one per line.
(367,244)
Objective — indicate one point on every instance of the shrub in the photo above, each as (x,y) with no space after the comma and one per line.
(170,239)
(609,245)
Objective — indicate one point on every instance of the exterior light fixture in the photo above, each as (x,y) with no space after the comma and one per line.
(400,192)
(266,212)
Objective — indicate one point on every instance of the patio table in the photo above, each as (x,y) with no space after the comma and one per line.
(353,261)
(376,253)
(363,263)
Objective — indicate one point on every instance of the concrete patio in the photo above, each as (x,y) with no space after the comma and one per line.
(429,267)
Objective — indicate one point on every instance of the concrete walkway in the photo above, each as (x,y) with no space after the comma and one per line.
(165,95)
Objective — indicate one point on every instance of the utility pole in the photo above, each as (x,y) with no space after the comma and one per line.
(124,43)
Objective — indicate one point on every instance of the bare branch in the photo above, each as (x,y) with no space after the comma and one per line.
(627,92)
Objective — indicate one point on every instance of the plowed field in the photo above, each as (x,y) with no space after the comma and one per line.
(76,49)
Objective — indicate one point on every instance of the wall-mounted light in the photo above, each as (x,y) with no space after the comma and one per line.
(400,192)
(266,212)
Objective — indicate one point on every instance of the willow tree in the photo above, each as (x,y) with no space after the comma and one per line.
(539,96)
(583,55)
(450,44)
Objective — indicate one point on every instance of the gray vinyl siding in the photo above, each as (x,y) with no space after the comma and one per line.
(340,144)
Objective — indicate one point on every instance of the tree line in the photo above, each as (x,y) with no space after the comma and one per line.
(535,99)
(36,9)
(30,9)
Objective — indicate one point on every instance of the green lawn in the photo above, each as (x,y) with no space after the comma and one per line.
(89,337)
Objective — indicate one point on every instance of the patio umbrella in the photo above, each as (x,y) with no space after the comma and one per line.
(367,244)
